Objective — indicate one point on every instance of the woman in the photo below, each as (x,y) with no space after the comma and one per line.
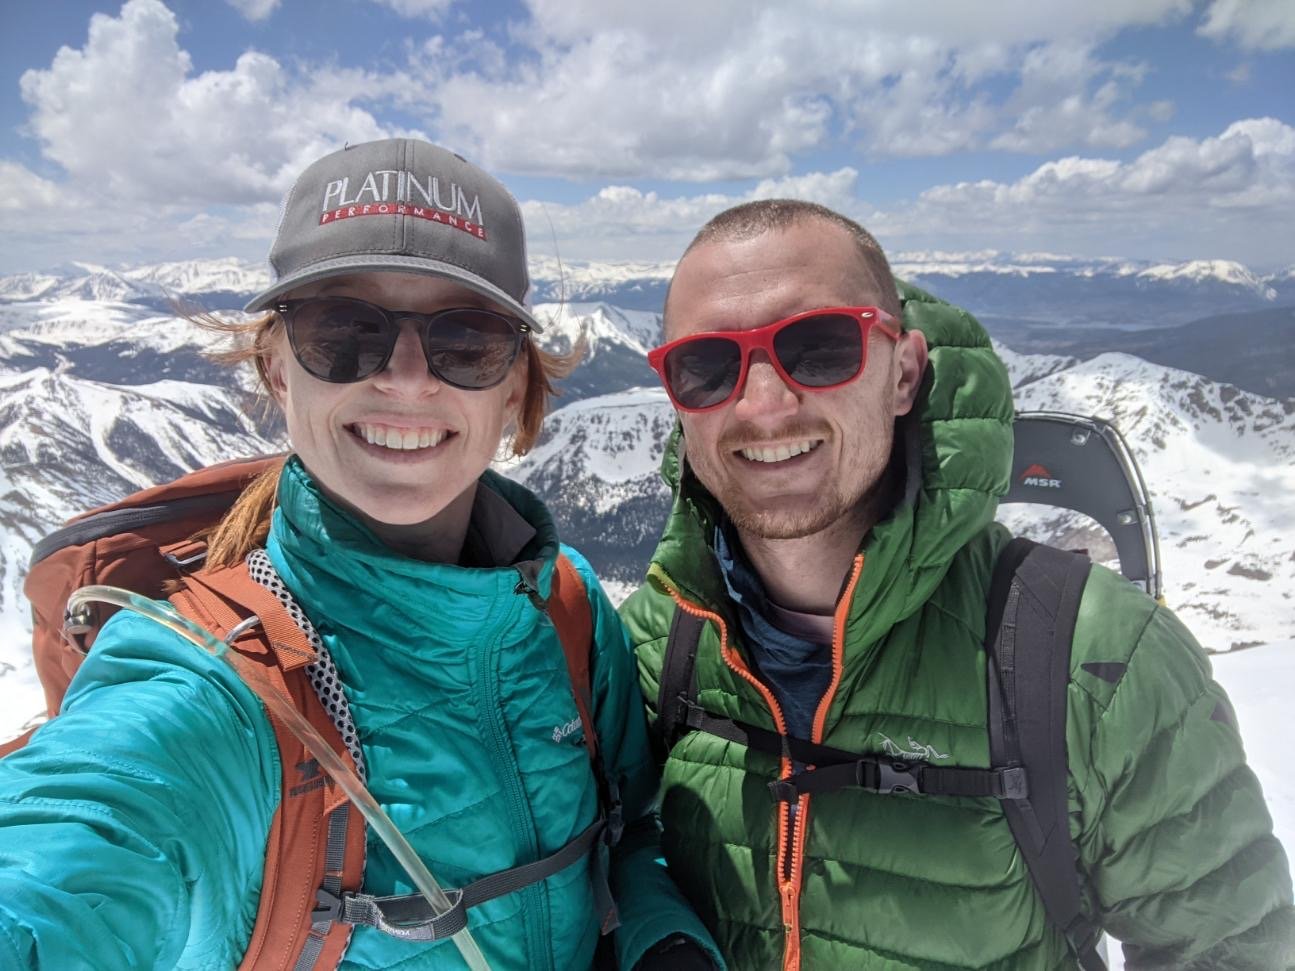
(134,826)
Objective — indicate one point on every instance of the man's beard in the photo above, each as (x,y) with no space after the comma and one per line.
(865,506)
(863,498)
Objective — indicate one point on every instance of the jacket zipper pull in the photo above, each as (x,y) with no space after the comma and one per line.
(529,586)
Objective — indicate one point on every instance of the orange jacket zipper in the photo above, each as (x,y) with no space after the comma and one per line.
(791,832)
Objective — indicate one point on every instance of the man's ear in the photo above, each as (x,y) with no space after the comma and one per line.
(910,365)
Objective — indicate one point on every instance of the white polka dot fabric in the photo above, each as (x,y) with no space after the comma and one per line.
(322,673)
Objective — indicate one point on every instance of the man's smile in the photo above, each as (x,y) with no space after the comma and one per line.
(780,452)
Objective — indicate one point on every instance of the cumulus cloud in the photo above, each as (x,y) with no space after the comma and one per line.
(157,157)
(235,136)
(1202,194)
(1064,90)
(1184,198)
(671,90)
(254,10)
(620,222)
(1251,164)
(1265,25)
(590,89)
(611,90)
(23,189)
(417,8)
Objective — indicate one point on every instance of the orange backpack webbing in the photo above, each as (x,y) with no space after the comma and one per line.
(315,851)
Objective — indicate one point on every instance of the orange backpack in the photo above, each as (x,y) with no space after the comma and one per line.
(315,851)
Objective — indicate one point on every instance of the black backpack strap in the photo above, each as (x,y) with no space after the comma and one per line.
(835,768)
(678,712)
(1033,604)
(410,916)
(677,690)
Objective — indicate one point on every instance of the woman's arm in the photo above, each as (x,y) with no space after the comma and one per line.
(133,825)
(652,910)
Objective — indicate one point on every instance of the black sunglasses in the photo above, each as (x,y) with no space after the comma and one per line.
(343,340)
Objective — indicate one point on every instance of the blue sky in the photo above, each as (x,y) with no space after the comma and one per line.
(169,129)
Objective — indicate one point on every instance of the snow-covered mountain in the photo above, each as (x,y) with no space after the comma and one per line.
(99,397)
(1177,314)
(193,277)
(1043,287)
(596,467)
(1024,265)
(1220,465)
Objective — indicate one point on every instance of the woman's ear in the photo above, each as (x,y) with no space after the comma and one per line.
(273,363)
(519,379)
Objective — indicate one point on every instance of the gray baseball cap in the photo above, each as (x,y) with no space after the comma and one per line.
(402,205)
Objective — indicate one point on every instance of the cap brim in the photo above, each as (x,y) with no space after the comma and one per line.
(394,264)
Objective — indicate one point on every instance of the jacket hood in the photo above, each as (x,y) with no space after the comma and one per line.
(955,449)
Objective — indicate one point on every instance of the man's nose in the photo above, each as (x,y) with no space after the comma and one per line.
(407,369)
(765,396)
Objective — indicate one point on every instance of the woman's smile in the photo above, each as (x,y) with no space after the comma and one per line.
(399,438)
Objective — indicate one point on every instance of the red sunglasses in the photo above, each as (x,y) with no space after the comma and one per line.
(812,351)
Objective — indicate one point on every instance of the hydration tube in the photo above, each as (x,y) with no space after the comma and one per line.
(329,760)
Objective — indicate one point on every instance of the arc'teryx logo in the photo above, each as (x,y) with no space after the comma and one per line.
(915,750)
(1037,475)
(392,192)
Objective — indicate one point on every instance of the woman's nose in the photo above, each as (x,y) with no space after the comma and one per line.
(407,369)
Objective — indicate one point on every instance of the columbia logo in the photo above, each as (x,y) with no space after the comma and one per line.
(1038,475)
(565,731)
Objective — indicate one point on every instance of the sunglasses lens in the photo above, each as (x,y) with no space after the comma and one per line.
(340,340)
(703,372)
(472,348)
(821,350)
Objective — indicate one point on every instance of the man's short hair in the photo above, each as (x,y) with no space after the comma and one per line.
(751,219)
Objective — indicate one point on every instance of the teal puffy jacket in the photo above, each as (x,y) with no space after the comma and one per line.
(1176,848)
(133,826)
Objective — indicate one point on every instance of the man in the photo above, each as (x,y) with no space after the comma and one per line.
(835,484)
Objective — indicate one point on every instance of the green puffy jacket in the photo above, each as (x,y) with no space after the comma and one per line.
(1177,852)
(133,826)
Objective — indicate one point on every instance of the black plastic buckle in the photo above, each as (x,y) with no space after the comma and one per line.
(1083,936)
(692,713)
(182,565)
(328,907)
(893,777)
(783,791)
(1015,784)
(615,827)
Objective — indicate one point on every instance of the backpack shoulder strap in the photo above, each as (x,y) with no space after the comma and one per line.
(230,597)
(315,848)
(573,620)
(678,689)
(1033,605)
(572,617)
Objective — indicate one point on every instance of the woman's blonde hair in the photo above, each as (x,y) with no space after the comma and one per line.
(247,524)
